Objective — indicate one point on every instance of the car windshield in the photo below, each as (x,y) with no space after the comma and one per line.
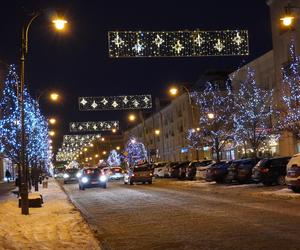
(92,171)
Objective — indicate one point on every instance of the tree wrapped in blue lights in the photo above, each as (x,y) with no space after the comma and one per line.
(135,152)
(290,115)
(36,125)
(253,110)
(215,124)
(114,159)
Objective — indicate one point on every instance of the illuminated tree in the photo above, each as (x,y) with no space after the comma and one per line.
(135,152)
(290,115)
(114,159)
(253,110)
(215,123)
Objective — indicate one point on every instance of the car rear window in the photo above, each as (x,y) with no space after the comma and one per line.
(92,171)
(141,169)
(72,170)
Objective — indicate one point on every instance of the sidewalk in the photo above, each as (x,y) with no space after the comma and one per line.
(57,225)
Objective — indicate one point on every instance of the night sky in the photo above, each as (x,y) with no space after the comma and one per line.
(76,63)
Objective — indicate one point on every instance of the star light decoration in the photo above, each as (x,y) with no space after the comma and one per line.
(178,43)
(93,126)
(115,102)
(72,145)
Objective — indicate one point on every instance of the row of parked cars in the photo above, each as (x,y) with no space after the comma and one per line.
(269,171)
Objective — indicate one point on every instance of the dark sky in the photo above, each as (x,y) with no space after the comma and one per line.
(76,63)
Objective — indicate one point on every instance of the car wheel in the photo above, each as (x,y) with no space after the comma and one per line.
(125,182)
(281,180)
(104,185)
(267,183)
(131,182)
(144,182)
(80,187)
(149,182)
(295,189)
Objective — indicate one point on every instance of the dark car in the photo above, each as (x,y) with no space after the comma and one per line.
(271,171)
(92,177)
(241,170)
(172,170)
(70,175)
(217,171)
(142,173)
(194,166)
(181,170)
(293,174)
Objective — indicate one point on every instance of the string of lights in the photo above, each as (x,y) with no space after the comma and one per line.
(93,126)
(185,43)
(115,102)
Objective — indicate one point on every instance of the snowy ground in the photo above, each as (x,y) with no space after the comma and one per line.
(57,225)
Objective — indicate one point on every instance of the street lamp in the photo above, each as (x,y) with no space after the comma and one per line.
(157,131)
(118,148)
(104,152)
(24,168)
(52,121)
(173,91)
(52,133)
(131,117)
(114,130)
(288,19)
(102,139)
(54,96)
(59,24)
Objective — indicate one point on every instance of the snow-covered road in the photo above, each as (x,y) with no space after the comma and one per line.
(176,215)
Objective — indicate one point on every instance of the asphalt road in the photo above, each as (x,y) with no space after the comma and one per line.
(174,215)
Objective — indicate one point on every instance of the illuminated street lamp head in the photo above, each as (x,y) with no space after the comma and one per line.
(157,131)
(198,129)
(59,24)
(91,145)
(118,148)
(52,121)
(114,130)
(54,97)
(104,152)
(131,117)
(96,155)
(210,116)
(287,20)
(102,139)
(85,149)
(173,91)
(51,133)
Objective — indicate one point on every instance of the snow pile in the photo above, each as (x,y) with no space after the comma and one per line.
(57,225)
(282,193)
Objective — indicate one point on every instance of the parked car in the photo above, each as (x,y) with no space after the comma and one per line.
(271,171)
(175,169)
(142,173)
(92,177)
(241,170)
(182,168)
(70,175)
(196,166)
(293,173)
(170,168)
(217,171)
(161,170)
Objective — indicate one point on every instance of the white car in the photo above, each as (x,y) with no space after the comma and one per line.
(161,171)
(201,169)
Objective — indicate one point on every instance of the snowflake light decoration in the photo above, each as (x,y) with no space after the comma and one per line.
(93,126)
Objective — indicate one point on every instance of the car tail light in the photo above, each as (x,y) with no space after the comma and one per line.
(132,175)
(264,170)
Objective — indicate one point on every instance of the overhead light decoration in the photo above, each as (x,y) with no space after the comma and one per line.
(93,126)
(115,102)
(194,43)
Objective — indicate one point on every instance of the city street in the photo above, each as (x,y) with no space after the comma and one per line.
(5,189)
(182,215)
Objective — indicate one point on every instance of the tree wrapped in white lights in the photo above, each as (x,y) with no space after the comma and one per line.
(253,110)
(215,123)
(114,159)
(290,117)
(135,152)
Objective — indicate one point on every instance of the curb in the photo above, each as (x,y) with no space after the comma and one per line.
(102,243)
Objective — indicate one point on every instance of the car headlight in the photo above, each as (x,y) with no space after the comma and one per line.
(103,178)
(84,179)
(66,176)
(78,175)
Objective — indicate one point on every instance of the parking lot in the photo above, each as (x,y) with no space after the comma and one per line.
(171,214)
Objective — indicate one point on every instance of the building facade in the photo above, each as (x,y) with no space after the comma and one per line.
(164,132)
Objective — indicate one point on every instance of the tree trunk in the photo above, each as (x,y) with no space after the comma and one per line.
(217,149)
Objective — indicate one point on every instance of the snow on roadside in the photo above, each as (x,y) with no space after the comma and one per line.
(57,225)
(281,193)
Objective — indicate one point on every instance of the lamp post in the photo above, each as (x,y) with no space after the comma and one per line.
(24,52)
(288,19)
